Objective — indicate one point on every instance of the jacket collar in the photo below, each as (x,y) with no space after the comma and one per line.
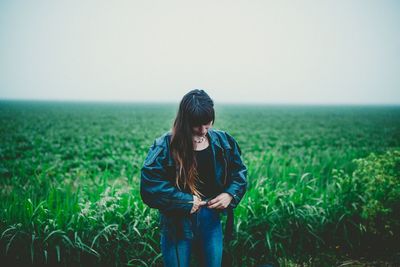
(213,138)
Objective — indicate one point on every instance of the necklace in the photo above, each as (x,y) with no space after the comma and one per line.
(198,141)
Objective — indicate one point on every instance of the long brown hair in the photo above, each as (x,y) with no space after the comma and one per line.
(196,108)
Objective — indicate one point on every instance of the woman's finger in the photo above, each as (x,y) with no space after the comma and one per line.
(216,204)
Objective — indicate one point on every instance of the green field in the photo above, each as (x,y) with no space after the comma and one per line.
(323,183)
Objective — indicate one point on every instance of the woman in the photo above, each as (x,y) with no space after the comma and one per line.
(192,175)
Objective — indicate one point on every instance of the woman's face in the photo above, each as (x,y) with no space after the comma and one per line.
(201,130)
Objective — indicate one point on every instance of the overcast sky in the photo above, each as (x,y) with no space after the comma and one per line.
(238,51)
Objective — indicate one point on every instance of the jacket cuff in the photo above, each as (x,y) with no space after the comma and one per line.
(189,207)
(235,198)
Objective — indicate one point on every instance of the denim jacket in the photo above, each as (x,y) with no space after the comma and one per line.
(158,190)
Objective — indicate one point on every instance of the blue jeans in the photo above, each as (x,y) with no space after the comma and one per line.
(206,244)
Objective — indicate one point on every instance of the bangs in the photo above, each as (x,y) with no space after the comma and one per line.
(201,116)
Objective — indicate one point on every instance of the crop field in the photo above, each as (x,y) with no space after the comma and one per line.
(323,183)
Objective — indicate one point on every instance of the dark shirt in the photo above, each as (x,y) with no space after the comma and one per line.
(205,169)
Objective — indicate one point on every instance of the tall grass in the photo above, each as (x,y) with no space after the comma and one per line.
(296,217)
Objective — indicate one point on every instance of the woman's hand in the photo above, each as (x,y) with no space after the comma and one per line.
(220,202)
(197,203)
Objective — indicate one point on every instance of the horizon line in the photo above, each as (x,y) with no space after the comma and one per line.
(215,102)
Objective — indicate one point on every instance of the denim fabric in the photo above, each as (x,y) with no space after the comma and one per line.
(206,244)
(157,183)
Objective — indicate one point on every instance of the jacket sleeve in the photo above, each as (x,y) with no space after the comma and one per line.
(156,190)
(237,174)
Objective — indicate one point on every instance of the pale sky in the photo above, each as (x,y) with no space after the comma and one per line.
(240,51)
